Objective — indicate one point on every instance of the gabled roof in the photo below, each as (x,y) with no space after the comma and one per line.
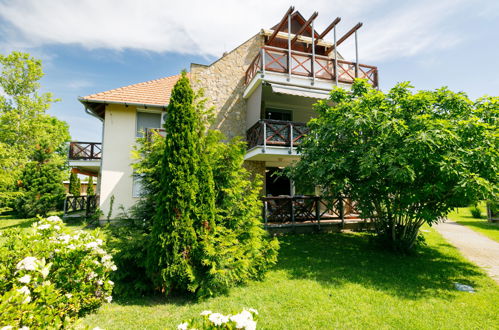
(150,93)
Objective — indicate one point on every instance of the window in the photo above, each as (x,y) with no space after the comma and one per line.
(147,120)
(278,114)
(137,187)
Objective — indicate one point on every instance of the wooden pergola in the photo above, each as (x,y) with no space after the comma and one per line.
(295,33)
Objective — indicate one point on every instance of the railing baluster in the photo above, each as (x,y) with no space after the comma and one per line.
(290,138)
(264,136)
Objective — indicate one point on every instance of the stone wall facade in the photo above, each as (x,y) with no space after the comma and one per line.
(224,82)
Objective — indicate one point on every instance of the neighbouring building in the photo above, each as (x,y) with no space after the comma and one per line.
(263,90)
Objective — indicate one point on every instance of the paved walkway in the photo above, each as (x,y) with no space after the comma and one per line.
(479,249)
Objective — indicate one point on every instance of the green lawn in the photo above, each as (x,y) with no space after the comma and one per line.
(327,281)
(463,217)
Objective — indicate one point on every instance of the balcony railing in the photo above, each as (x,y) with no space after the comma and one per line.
(85,150)
(304,64)
(81,203)
(290,210)
(269,132)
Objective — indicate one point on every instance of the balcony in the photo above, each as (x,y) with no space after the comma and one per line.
(300,64)
(268,132)
(85,150)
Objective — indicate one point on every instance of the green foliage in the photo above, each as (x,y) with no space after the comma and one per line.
(74,184)
(206,233)
(128,246)
(48,277)
(41,184)
(475,212)
(90,186)
(24,123)
(406,158)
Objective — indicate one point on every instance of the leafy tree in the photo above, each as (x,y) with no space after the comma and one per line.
(41,182)
(24,123)
(206,233)
(74,184)
(406,158)
(90,187)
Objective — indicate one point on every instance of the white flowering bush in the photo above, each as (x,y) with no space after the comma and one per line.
(49,276)
(208,320)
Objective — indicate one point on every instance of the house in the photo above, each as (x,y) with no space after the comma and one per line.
(262,90)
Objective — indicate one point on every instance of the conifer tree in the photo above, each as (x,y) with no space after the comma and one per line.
(185,212)
(90,186)
(41,184)
(74,184)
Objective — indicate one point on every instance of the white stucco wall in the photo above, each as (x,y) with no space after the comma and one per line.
(116,174)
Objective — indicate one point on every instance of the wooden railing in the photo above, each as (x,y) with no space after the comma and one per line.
(290,210)
(81,203)
(85,150)
(269,132)
(305,64)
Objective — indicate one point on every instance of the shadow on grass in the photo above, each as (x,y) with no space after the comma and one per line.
(17,223)
(483,224)
(337,259)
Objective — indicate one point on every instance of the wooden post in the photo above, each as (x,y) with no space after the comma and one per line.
(318,211)
(342,211)
(289,48)
(263,62)
(265,214)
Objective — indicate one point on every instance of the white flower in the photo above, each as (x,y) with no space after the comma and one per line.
(243,320)
(45,271)
(218,319)
(28,263)
(25,279)
(91,275)
(183,326)
(91,245)
(99,241)
(110,282)
(108,299)
(206,312)
(252,310)
(24,290)
(56,227)
(24,328)
(64,238)
(97,328)
(250,325)
(99,282)
(99,251)
(43,227)
(113,268)
(106,258)
(8,327)
(71,247)
(54,218)
(69,295)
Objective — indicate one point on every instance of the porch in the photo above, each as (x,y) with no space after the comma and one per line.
(307,212)
(85,157)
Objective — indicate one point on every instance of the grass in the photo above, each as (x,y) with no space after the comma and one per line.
(327,281)
(463,217)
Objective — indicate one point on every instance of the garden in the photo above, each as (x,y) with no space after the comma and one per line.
(193,254)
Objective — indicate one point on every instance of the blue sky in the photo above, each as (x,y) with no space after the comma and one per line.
(89,46)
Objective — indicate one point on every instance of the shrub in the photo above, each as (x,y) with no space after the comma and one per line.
(245,320)
(406,158)
(49,277)
(74,184)
(475,212)
(90,186)
(127,244)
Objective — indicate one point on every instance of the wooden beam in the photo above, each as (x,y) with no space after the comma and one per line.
(328,29)
(346,36)
(281,24)
(304,26)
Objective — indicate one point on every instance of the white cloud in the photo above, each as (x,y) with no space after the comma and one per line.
(211,27)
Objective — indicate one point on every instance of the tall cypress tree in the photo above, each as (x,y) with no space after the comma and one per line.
(90,187)
(74,184)
(185,214)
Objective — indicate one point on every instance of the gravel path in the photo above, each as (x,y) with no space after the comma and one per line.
(479,249)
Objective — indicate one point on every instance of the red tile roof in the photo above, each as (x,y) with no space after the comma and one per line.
(153,92)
